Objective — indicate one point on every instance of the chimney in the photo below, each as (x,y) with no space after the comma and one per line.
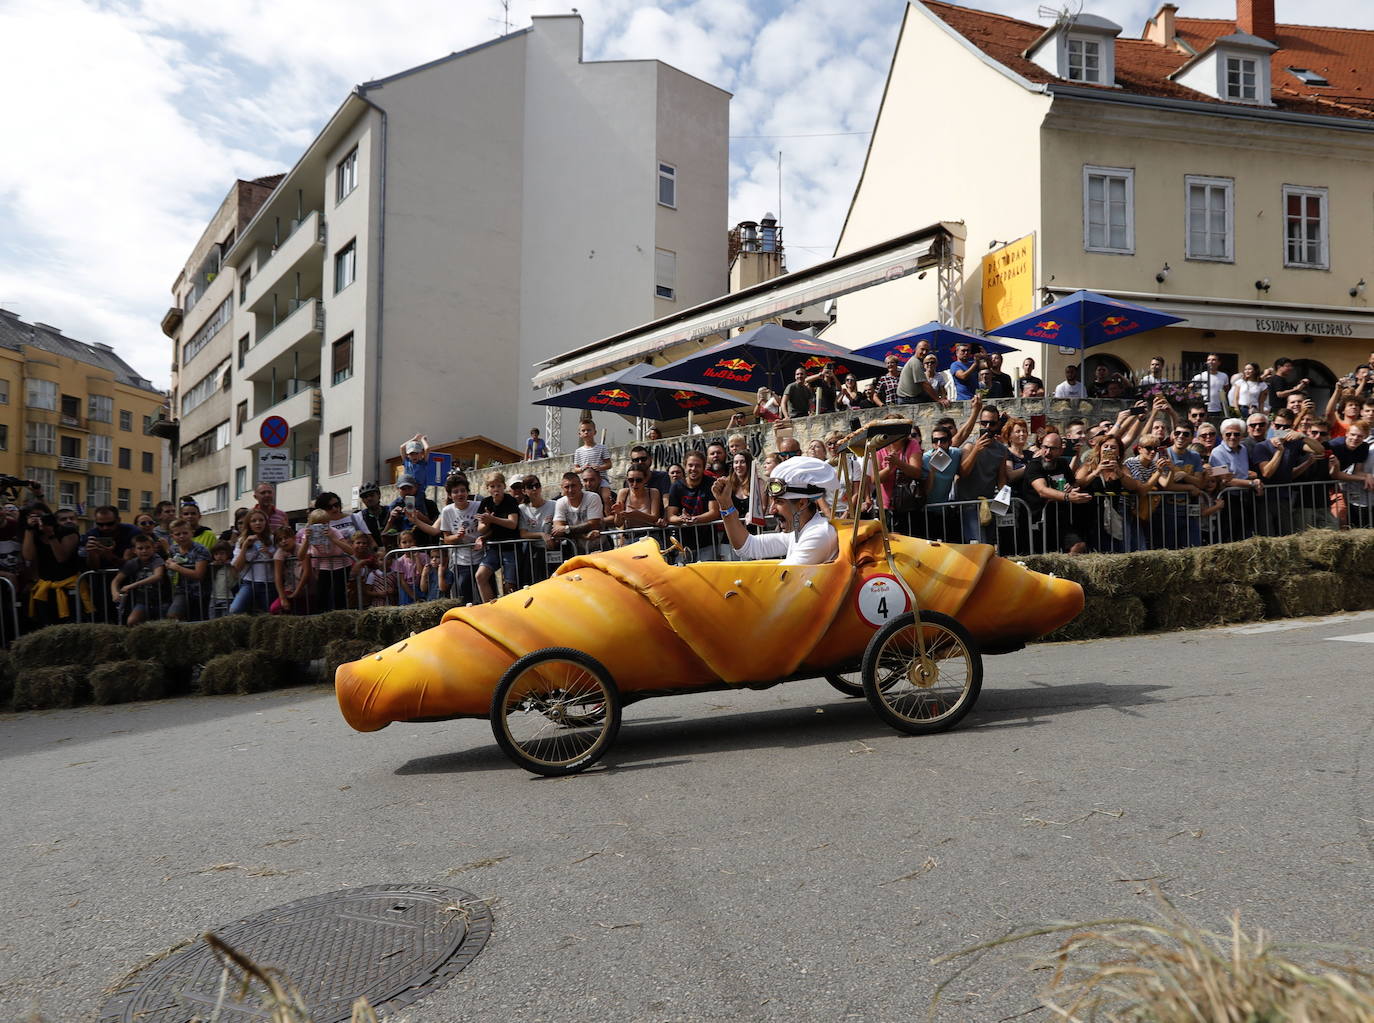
(1160,29)
(1256,17)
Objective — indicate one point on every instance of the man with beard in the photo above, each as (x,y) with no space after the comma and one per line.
(1053,498)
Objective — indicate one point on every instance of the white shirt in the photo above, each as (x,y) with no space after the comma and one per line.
(450,518)
(1214,385)
(816,544)
(1070,390)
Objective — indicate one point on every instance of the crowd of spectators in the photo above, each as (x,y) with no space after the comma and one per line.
(1209,459)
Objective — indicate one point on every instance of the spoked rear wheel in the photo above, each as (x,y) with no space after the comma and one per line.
(555,711)
(917,695)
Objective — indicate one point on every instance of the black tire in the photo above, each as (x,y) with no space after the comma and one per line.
(555,711)
(912,700)
(848,682)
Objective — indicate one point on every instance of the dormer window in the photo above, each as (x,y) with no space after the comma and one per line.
(1242,79)
(1080,49)
(1085,60)
(1234,68)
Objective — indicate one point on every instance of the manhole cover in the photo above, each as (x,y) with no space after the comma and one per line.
(390,944)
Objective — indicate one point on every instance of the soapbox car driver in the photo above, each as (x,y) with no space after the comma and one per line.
(793,489)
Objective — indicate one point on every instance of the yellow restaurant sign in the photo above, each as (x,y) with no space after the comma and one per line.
(1009,282)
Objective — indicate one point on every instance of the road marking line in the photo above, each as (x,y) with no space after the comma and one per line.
(1301,623)
(1363,637)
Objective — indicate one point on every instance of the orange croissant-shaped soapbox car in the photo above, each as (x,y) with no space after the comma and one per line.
(551,665)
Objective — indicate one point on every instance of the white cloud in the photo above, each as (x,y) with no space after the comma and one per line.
(129,119)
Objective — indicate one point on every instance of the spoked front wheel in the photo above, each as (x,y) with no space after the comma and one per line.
(555,711)
(916,694)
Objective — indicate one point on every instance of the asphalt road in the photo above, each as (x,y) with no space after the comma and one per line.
(776,855)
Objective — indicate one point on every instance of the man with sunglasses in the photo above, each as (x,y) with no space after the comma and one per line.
(1313,476)
(794,489)
(642,458)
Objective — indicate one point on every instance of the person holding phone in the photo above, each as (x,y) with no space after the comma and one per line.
(106,547)
(411,510)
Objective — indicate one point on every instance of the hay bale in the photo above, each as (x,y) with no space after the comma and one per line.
(1103,616)
(126,681)
(1325,549)
(1361,556)
(1064,566)
(180,645)
(6,679)
(1258,561)
(59,686)
(86,644)
(383,625)
(1150,573)
(342,651)
(1315,593)
(419,617)
(1357,592)
(1197,606)
(245,671)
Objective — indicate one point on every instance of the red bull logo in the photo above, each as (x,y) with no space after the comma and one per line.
(806,342)
(815,362)
(1047,329)
(737,370)
(1114,325)
(612,397)
(689,399)
(902,350)
(878,586)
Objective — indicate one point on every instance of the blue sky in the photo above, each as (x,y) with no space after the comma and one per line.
(128,120)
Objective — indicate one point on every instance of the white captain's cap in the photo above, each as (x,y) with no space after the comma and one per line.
(802,477)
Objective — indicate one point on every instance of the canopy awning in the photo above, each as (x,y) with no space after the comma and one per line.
(887,261)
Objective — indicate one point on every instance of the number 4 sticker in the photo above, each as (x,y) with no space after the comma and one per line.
(880,598)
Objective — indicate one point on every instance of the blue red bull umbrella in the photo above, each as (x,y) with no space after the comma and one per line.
(629,392)
(940,336)
(1083,320)
(766,356)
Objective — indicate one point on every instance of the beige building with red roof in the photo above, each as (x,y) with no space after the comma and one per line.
(1221,170)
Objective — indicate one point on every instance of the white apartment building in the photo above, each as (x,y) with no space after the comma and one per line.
(451,226)
(200,325)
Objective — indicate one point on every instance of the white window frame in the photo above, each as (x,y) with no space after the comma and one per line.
(38,395)
(100,408)
(665,275)
(346,437)
(346,256)
(346,176)
(46,480)
(99,449)
(68,493)
(126,420)
(40,438)
(4,392)
(1244,65)
(98,490)
(1324,241)
(1228,186)
(667,174)
(1087,47)
(1089,172)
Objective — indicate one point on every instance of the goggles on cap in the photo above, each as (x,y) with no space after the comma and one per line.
(778,488)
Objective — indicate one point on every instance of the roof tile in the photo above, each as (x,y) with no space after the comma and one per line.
(1344,56)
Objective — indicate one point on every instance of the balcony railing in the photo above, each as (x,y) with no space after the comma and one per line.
(71,463)
(75,422)
(293,306)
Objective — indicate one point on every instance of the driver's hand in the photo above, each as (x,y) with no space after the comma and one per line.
(720,490)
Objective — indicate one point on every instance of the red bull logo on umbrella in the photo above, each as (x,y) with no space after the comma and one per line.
(738,370)
(689,399)
(612,397)
(1047,329)
(815,362)
(1114,325)
(903,350)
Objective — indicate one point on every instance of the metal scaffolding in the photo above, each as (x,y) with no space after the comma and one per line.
(949,276)
(553,420)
